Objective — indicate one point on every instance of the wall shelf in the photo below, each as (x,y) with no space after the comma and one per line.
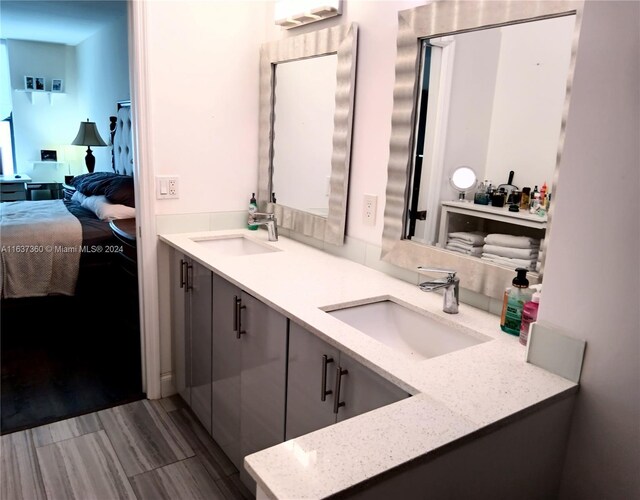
(30,95)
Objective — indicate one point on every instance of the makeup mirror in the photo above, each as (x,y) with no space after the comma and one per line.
(463,180)
(307,85)
(459,100)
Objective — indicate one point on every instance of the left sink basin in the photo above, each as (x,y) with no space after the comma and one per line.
(232,246)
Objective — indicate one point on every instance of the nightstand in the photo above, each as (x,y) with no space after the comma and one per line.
(13,187)
(67,191)
(124,231)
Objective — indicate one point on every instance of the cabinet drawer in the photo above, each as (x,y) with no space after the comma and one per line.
(13,196)
(12,187)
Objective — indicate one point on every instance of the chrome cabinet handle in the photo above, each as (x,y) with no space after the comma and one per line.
(336,402)
(237,320)
(324,392)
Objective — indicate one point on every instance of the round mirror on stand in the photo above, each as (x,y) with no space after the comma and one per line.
(463,179)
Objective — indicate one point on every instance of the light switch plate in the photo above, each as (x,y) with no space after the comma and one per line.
(167,187)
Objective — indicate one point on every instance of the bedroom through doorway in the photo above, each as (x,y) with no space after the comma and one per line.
(70,335)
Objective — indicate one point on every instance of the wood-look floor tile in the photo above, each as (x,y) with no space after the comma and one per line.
(66,429)
(211,455)
(144,436)
(233,489)
(20,476)
(185,480)
(83,468)
(172,403)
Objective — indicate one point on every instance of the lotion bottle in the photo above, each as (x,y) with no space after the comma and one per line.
(519,294)
(529,315)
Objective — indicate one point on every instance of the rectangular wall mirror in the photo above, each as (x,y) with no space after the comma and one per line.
(489,92)
(307,85)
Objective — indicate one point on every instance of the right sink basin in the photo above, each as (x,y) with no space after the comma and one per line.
(405,330)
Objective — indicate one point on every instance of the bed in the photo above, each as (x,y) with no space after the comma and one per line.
(60,247)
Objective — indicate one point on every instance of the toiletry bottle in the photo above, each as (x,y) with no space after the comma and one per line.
(505,299)
(524,198)
(534,201)
(253,208)
(519,294)
(529,315)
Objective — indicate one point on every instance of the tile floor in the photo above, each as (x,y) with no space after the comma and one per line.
(142,450)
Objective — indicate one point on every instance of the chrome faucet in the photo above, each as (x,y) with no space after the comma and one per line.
(451,286)
(263,219)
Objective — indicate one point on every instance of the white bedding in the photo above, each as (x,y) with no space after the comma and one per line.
(40,249)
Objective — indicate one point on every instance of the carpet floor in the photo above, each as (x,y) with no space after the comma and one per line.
(66,356)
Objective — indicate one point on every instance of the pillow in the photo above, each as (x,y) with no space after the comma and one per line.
(104,210)
(93,183)
(120,191)
(78,197)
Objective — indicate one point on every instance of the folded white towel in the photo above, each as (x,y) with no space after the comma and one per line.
(508,240)
(475,238)
(462,244)
(527,264)
(512,253)
(474,251)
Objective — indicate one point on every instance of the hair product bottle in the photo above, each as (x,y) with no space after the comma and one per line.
(529,315)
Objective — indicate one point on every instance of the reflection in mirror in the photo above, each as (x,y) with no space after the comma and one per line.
(304,105)
(483,85)
(305,131)
(498,96)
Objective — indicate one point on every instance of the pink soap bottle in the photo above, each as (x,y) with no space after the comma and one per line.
(529,315)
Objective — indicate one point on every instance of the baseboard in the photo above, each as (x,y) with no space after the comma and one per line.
(167,387)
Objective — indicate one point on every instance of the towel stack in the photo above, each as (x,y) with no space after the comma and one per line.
(466,243)
(514,251)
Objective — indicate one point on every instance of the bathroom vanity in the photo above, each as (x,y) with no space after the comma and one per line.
(288,357)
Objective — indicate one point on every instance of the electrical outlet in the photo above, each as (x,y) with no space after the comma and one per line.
(167,187)
(369,209)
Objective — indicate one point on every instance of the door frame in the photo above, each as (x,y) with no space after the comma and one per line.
(147,241)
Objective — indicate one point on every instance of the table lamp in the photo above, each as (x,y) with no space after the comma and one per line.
(88,136)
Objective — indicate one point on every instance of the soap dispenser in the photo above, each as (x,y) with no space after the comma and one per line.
(253,208)
(518,295)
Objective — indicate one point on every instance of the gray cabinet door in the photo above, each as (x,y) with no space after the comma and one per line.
(263,378)
(199,279)
(306,412)
(226,363)
(180,333)
(362,390)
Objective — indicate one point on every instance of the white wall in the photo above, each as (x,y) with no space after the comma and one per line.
(592,278)
(38,124)
(203,70)
(102,81)
(529,101)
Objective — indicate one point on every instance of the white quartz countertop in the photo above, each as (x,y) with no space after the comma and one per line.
(455,394)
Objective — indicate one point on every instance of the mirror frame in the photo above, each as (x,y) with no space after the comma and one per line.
(341,40)
(441,18)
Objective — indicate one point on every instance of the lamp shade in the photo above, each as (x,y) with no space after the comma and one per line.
(88,135)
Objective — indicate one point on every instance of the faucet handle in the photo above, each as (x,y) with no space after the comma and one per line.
(450,272)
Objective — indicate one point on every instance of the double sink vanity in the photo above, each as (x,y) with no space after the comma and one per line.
(319,376)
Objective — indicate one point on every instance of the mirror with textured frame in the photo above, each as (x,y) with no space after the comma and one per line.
(417,138)
(286,151)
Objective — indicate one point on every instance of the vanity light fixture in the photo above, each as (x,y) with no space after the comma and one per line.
(293,13)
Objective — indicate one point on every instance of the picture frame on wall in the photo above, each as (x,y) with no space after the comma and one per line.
(56,85)
(40,82)
(48,155)
(29,83)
